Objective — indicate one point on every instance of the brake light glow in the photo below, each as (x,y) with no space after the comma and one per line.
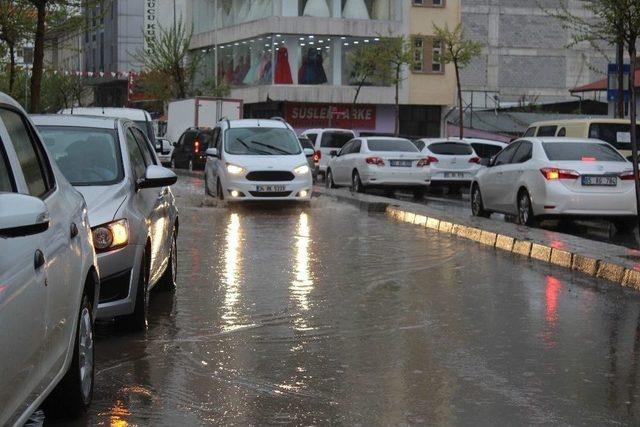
(551,174)
(588,159)
(375,160)
(317,156)
(474,160)
(627,176)
(196,146)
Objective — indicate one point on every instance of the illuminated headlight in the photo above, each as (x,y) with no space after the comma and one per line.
(234,170)
(111,236)
(301,170)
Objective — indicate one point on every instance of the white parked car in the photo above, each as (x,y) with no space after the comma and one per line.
(132,210)
(164,150)
(379,162)
(536,178)
(141,118)
(257,160)
(452,163)
(48,279)
(486,148)
(325,141)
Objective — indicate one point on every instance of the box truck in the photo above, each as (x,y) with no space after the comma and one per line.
(199,112)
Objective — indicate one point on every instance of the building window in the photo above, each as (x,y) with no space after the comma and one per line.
(427,57)
(429,3)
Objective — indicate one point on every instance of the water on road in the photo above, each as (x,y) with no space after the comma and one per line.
(324,314)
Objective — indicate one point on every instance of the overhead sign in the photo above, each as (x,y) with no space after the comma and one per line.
(150,19)
(613,91)
(303,115)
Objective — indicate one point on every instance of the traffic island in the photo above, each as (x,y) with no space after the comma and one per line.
(613,263)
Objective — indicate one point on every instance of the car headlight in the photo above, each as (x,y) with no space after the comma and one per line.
(301,170)
(110,236)
(234,170)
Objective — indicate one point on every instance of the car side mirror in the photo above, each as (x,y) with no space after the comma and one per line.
(333,153)
(157,176)
(308,152)
(485,162)
(22,215)
(212,152)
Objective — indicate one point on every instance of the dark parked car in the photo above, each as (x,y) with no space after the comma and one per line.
(306,143)
(189,150)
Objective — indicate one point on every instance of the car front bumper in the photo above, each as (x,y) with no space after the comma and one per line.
(119,280)
(297,190)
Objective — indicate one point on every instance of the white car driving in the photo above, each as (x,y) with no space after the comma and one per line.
(379,162)
(257,160)
(452,163)
(536,178)
(132,210)
(48,280)
(325,141)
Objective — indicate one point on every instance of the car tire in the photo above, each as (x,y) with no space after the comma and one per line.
(625,225)
(219,191)
(525,210)
(477,204)
(73,394)
(356,183)
(137,321)
(418,193)
(168,281)
(329,179)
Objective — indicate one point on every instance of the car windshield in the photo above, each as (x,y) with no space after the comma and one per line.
(451,148)
(261,141)
(392,145)
(335,139)
(616,134)
(580,151)
(145,127)
(86,156)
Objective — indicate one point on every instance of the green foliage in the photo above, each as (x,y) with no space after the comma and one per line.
(457,49)
(210,88)
(393,54)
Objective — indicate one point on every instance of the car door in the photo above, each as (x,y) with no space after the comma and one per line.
(212,163)
(154,206)
(179,152)
(28,266)
(492,182)
(339,174)
(511,174)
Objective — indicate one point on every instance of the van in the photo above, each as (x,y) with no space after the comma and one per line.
(141,118)
(325,141)
(614,131)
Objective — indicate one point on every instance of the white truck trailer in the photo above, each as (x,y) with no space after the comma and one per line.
(199,112)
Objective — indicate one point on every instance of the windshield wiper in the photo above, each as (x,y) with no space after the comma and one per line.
(253,149)
(271,147)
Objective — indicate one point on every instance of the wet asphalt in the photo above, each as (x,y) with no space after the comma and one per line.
(328,315)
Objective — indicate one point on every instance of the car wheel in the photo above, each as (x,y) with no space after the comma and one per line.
(74,393)
(525,210)
(219,191)
(168,281)
(418,193)
(477,205)
(329,180)
(625,225)
(356,183)
(137,321)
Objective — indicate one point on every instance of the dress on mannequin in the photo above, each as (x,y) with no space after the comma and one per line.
(355,9)
(283,69)
(381,9)
(318,8)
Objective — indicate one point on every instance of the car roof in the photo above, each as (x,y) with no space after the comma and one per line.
(76,121)
(486,141)
(266,123)
(383,138)
(430,141)
(126,113)
(585,120)
(6,99)
(560,140)
(329,130)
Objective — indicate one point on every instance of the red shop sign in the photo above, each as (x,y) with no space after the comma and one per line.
(330,115)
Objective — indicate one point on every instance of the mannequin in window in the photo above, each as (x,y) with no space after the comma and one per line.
(355,9)
(312,71)
(283,69)
(318,8)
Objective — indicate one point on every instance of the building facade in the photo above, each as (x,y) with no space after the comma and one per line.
(292,58)
(527,57)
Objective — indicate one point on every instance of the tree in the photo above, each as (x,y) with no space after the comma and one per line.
(16,26)
(167,56)
(394,53)
(459,51)
(365,66)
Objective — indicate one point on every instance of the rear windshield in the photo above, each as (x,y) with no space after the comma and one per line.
(335,139)
(486,151)
(451,148)
(617,135)
(306,143)
(579,151)
(392,145)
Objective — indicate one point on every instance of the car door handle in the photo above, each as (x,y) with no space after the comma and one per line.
(73,230)
(38,259)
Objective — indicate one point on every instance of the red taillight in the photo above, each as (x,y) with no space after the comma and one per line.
(375,160)
(426,161)
(551,174)
(474,160)
(196,146)
(627,176)
(317,156)
(588,159)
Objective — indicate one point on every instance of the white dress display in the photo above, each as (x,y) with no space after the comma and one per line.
(355,9)
(381,9)
(318,8)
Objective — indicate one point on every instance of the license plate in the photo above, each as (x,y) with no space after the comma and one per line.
(604,181)
(454,175)
(270,188)
(400,163)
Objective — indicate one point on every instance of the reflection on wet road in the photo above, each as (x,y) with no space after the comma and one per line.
(328,315)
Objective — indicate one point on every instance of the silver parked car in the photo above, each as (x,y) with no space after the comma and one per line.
(132,211)
(49,282)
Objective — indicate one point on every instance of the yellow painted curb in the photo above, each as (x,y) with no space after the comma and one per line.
(561,258)
(585,264)
(504,242)
(522,247)
(631,279)
(433,224)
(540,252)
(609,271)
(445,227)
(420,220)
(488,238)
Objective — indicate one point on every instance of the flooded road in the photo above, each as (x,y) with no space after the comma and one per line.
(325,314)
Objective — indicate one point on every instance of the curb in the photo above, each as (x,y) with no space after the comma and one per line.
(601,260)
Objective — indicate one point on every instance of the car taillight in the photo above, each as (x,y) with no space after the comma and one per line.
(426,161)
(474,160)
(196,146)
(551,174)
(627,176)
(375,160)
(317,156)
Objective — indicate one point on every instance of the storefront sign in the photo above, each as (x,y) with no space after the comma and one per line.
(150,19)
(330,115)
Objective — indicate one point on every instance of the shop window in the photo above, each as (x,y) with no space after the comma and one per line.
(350,47)
(246,62)
(348,9)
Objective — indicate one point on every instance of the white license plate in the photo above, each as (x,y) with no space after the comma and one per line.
(400,163)
(270,188)
(604,181)
(454,175)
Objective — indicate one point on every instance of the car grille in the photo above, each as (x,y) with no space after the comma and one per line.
(270,193)
(270,176)
(115,287)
